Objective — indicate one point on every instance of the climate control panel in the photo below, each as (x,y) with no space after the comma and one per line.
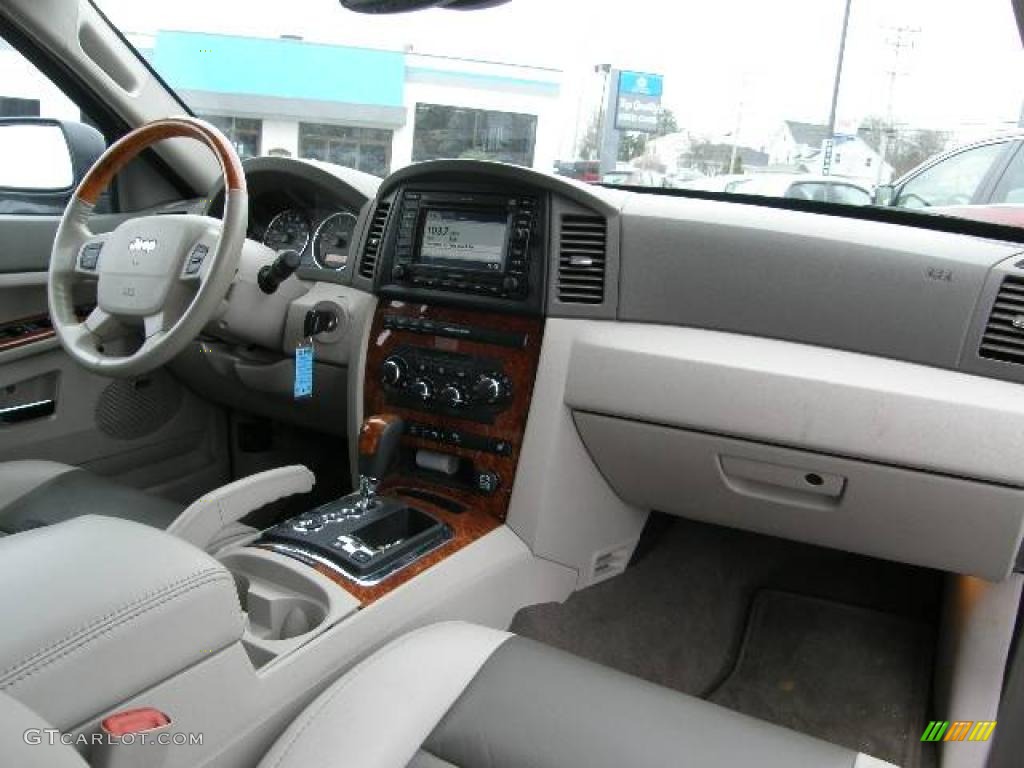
(474,388)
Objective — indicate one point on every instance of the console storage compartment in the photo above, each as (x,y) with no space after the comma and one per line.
(101,609)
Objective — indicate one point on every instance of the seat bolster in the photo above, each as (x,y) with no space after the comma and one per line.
(28,741)
(390,702)
(18,478)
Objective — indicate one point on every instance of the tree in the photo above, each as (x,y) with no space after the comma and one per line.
(905,149)
(632,145)
(590,144)
(667,123)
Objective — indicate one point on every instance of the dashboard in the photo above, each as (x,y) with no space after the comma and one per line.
(719,360)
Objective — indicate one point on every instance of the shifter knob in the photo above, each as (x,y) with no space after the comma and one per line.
(378,444)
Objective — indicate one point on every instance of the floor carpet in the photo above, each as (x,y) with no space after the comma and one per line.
(851,676)
(693,614)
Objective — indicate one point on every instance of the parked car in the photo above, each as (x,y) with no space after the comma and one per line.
(983,180)
(634,177)
(727,182)
(823,189)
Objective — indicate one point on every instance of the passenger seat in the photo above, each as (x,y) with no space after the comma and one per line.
(460,695)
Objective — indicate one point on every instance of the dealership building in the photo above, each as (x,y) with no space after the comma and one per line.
(375,110)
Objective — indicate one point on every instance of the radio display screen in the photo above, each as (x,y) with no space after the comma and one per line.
(472,240)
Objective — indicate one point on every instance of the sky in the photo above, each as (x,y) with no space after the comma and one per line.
(726,63)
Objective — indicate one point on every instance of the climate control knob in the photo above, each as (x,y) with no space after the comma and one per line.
(394,371)
(488,389)
(423,389)
(453,396)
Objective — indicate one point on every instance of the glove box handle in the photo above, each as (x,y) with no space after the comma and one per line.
(780,483)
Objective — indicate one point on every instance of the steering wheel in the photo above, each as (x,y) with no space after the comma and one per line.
(167,274)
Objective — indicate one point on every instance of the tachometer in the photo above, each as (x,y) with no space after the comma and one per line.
(287,230)
(333,239)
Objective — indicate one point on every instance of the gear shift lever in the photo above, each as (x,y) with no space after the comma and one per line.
(378,445)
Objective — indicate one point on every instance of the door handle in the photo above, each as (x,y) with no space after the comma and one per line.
(16,414)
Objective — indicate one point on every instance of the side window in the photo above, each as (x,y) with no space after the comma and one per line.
(848,195)
(1010,188)
(953,181)
(807,190)
(38,164)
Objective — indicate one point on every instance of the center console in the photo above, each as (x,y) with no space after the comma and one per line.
(449,372)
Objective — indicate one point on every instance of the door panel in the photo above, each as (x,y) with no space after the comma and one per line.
(152,432)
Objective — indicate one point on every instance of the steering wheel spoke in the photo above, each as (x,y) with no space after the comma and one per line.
(103,325)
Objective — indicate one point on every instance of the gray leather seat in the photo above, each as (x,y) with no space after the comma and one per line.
(37,493)
(461,695)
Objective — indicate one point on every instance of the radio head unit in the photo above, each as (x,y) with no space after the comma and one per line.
(456,242)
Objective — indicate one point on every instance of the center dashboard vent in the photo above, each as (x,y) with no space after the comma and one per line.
(1004,334)
(582,253)
(374,239)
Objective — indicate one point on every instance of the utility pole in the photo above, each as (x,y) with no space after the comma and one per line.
(839,72)
(736,129)
(902,38)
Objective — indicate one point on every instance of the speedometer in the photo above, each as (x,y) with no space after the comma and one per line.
(333,239)
(288,230)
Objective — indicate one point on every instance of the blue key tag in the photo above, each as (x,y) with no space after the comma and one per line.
(304,370)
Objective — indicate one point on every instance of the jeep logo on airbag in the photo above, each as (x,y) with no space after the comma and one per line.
(138,244)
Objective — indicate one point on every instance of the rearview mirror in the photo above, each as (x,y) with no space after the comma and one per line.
(885,194)
(404,6)
(42,161)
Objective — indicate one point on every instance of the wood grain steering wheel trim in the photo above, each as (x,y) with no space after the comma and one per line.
(131,144)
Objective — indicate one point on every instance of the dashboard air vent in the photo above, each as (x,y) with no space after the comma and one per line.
(374,238)
(1004,334)
(582,250)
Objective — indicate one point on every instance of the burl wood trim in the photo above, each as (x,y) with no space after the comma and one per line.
(26,338)
(131,144)
(32,337)
(372,430)
(520,365)
(466,526)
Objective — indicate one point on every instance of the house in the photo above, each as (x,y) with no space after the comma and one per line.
(795,141)
(801,145)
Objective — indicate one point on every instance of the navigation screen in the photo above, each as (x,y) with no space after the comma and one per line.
(466,239)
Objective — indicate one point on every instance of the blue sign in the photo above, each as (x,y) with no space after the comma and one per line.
(638,102)
(640,84)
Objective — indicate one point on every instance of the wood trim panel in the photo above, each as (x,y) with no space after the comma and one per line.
(520,365)
(28,336)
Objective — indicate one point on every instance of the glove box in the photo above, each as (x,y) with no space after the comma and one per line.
(900,514)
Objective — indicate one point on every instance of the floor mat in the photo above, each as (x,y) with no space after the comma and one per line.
(851,676)
(679,616)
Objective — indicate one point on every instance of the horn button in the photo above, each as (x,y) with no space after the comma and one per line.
(140,262)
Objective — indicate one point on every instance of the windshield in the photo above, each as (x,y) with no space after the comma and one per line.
(898,99)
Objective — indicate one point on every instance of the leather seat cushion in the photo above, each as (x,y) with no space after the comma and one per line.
(456,695)
(76,492)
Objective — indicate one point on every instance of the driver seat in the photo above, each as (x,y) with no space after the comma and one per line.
(38,493)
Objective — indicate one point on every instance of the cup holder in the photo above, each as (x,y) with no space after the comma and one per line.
(281,603)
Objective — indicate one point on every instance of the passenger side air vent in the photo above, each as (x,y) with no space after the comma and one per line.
(582,249)
(1004,334)
(374,238)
